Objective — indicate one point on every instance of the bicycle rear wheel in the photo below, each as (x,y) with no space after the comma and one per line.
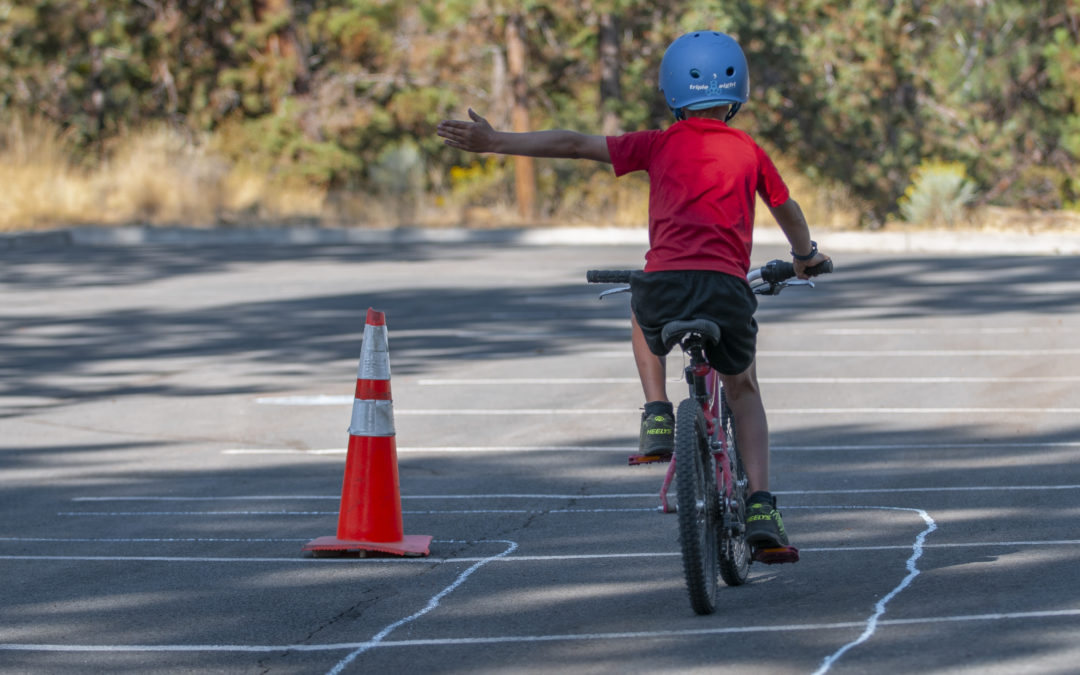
(734,551)
(698,506)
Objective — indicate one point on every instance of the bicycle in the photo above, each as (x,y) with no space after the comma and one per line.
(710,482)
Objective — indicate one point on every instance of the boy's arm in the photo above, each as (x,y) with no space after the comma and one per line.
(478,136)
(791,220)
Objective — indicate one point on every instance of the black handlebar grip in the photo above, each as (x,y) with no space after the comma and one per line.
(776,271)
(820,268)
(608,276)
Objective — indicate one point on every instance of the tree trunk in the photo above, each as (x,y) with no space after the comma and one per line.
(610,89)
(524,173)
(285,43)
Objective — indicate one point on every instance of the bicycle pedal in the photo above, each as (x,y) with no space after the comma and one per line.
(775,556)
(634,460)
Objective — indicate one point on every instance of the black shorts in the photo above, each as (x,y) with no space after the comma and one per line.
(661,297)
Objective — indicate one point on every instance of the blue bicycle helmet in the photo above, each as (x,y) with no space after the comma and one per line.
(704,69)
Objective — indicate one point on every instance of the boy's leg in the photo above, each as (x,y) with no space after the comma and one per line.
(744,397)
(764,527)
(651,368)
(657,435)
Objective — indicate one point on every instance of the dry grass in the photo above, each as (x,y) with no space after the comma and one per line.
(156,176)
(825,206)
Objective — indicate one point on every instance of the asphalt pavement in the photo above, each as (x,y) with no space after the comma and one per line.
(173,429)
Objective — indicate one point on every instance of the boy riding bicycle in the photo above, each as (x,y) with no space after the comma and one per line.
(703,176)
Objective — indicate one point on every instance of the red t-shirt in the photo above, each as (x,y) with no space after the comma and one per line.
(702,178)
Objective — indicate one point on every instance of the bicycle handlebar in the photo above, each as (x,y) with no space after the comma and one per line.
(608,276)
(774,272)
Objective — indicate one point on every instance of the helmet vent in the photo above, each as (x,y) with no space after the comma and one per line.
(695,73)
(730,71)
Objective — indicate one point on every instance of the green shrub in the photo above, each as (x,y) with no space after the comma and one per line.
(939,194)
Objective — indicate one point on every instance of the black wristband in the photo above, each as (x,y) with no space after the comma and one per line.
(808,256)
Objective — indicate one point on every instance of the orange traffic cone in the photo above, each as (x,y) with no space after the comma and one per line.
(370,514)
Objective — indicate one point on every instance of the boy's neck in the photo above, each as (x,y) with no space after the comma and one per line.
(718,113)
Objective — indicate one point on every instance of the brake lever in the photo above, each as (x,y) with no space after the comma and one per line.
(613,291)
(775,288)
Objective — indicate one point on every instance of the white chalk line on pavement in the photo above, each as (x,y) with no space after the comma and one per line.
(870,626)
(881,605)
(511,546)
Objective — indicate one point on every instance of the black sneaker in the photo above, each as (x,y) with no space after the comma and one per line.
(764,528)
(657,433)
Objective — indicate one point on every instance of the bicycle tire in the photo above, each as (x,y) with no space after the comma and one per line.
(698,506)
(734,550)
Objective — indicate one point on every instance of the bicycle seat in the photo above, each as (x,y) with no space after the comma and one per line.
(674,331)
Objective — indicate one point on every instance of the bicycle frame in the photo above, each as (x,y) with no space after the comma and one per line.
(706,389)
(705,385)
(711,510)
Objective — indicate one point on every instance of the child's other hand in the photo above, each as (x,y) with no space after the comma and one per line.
(802,265)
(475,136)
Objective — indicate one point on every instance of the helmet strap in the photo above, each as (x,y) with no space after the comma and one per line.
(731,113)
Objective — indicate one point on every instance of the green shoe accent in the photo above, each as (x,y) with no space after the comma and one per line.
(657,434)
(764,527)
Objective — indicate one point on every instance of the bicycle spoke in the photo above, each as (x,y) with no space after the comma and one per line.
(734,551)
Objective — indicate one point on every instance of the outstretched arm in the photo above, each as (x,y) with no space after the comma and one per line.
(478,136)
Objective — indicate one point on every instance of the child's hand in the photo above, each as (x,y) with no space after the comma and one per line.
(802,265)
(475,136)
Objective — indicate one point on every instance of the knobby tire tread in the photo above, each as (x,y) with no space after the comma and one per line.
(696,482)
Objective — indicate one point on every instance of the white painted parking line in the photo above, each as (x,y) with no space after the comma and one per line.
(925,411)
(911,490)
(573,637)
(439,560)
(173,498)
(439,450)
(439,512)
(926,446)
(918,353)
(876,353)
(624,324)
(987,330)
(535,496)
(521,381)
(431,382)
(772,411)
(503,412)
(633,449)
(152,540)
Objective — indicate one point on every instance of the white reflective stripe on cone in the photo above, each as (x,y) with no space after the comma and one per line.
(372,418)
(374,355)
